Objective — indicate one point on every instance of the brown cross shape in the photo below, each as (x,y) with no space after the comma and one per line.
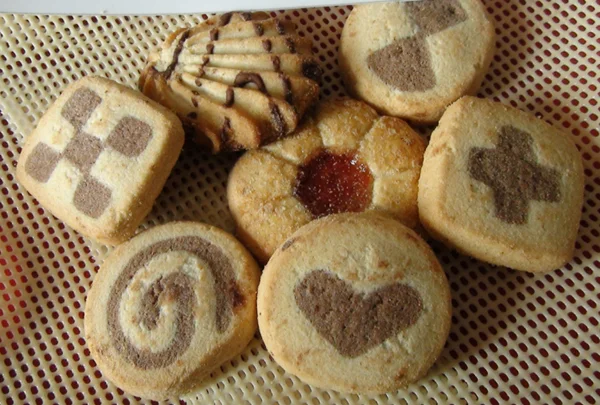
(406,63)
(130,137)
(513,174)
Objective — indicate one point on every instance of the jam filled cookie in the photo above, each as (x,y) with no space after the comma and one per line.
(502,186)
(356,303)
(169,306)
(413,59)
(345,159)
(99,157)
(236,81)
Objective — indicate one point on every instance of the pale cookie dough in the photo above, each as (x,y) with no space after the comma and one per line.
(169,306)
(237,81)
(344,159)
(413,59)
(503,186)
(99,157)
(355,303)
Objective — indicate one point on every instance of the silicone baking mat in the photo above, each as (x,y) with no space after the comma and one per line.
(515,337)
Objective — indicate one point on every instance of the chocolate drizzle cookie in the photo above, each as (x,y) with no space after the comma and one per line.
(236,82)
(169,306)
(413,59)
(355,303)
(502,186)
(344,159)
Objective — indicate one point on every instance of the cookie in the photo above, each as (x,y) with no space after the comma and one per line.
(236,81)
(503,186)
(169,306)
(355,303)
(99,157)
(344,159)
(413,59)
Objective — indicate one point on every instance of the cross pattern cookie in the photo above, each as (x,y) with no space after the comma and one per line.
(511,171)
(406,63)
(130,137)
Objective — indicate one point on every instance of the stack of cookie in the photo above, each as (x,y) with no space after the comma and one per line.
(326,202)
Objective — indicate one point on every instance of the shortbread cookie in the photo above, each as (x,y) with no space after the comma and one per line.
(503,186)
(169,306)
(99,157)
(413,59)
(345,159)
(236,81)
(356,303)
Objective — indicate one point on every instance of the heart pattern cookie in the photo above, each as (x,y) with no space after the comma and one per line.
(355,302)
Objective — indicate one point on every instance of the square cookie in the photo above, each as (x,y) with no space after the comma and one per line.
(502,186)
(99,157)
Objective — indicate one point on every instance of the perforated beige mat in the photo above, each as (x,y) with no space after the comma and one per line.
(515,337)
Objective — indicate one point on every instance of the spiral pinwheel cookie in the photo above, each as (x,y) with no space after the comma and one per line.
(236,81)
(356,303)
(503,186)
(345,159)
(169,306)
(413,59)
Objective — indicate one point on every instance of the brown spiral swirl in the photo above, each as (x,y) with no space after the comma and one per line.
(179,286)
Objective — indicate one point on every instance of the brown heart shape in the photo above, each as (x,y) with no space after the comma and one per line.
(351,321)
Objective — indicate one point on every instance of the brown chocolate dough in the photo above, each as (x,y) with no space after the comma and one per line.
(513,174)
(91,197)
(179,288)
(130,137)
(355,322)
(405,64)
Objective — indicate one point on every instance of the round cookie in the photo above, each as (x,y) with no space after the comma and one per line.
(503,186)
(344,159)
(169,306)
(356,303)
(413,59)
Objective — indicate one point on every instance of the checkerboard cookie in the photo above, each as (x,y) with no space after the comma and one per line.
(503,186)
(413,59)
(346,158)
(237,81)
(356,303)
(169,306)
(99,157)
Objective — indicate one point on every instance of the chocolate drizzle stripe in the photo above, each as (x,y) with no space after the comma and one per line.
(176,53)
(287,88)
(267,45)
(229,97)
(291,45)
(279,27)
(205,60)
(276,63)
(210,48)
(225,19)
(258,29)
(226,131)
(312,70)
(243,78)
(246,16)
(179,286)
(214,34)
(277,119)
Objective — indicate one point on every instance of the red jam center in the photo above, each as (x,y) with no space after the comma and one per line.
(330,184)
